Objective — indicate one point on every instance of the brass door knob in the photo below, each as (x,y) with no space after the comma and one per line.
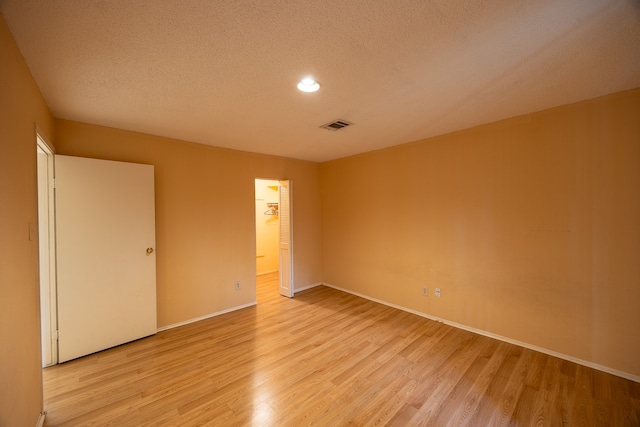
(149,251)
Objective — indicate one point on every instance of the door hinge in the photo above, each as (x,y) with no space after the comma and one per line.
(53,183)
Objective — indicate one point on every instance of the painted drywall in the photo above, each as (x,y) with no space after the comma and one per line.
(205,220)
(530,227)
(267,227)
(21,108)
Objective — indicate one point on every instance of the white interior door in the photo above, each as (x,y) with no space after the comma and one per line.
(285,239)
(105,236)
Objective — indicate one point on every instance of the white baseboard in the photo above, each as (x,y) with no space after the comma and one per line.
(206,316)
(586,363)
(40,422)
(218,313)
(262,273)
(313,285)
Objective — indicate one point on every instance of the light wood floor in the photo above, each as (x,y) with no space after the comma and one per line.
(330,358)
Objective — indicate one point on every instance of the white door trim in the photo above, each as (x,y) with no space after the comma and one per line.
(48,303)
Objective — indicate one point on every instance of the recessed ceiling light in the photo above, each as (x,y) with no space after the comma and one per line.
(308,85)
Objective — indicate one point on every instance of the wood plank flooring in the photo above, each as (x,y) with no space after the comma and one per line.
(328,358)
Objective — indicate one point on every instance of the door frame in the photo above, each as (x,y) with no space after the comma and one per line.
(48,296)
(291,250)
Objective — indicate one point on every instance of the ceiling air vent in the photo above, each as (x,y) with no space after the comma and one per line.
(336,125)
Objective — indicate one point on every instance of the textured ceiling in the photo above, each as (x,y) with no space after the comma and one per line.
(224,73)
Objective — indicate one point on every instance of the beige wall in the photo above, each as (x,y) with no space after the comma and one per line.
(21,108)
(530,226)
(267,227)
(205,206)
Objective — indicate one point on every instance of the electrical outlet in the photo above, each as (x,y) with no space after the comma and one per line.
(438,292)
(425,291)
(237,286)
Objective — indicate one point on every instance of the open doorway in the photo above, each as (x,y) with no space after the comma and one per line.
(47,245)
(274,248)
(267,236)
